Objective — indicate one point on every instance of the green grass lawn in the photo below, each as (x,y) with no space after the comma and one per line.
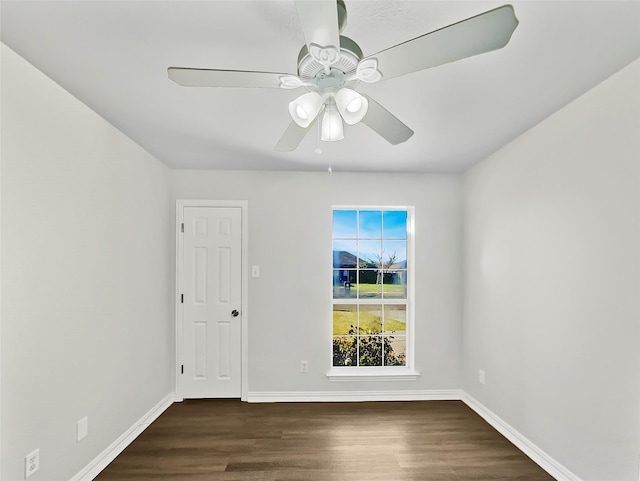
(369,321)
(371,290)
(378,287)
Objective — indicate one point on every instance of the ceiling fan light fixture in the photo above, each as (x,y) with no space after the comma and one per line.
(302,114)
(305,108)
(351,105)
(330,65)
(332,127)
(354,105)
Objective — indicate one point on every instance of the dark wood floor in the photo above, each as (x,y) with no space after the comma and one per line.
(374,441)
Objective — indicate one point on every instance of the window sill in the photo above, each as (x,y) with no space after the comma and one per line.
(341,374)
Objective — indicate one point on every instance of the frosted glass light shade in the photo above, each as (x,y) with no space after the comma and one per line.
(305,108)
(332,128)
(351,105)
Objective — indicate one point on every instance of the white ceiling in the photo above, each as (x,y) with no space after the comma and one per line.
(113,56)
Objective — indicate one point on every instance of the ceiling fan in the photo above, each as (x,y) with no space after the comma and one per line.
(330,66)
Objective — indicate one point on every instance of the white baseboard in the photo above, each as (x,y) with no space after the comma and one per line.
(354,396)
(541,458)
(91,470)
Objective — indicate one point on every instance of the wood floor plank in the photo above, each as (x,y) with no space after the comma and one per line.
(227,440)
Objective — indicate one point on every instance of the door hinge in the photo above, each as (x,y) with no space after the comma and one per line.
(182,369)
(182,227)
(181,298)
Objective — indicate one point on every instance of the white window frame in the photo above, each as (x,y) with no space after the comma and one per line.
(380,373)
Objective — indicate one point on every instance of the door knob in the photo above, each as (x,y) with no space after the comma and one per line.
(234,313)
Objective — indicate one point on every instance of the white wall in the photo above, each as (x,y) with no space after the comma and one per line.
(290,238)
(87,277)
(1,269)
(552,282)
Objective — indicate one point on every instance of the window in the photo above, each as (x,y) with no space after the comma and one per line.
(371,287)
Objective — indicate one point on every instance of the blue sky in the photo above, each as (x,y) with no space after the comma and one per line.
(379,231)
(369,224)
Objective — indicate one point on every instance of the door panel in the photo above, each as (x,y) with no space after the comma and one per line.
(211,274)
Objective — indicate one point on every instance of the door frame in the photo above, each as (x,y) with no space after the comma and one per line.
(181,204)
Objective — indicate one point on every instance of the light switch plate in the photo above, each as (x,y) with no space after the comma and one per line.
(255,271)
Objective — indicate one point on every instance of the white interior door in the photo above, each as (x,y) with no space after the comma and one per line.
(211,302)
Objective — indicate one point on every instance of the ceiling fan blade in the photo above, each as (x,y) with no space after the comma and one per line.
(488,31)
(202,77)
(292,137)
(319,19)
(385,123)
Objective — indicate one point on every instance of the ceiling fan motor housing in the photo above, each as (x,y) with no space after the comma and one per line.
(310,70)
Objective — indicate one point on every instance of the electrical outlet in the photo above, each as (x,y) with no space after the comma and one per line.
(481,376)
(82,429)
(304,366)
(31,463)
